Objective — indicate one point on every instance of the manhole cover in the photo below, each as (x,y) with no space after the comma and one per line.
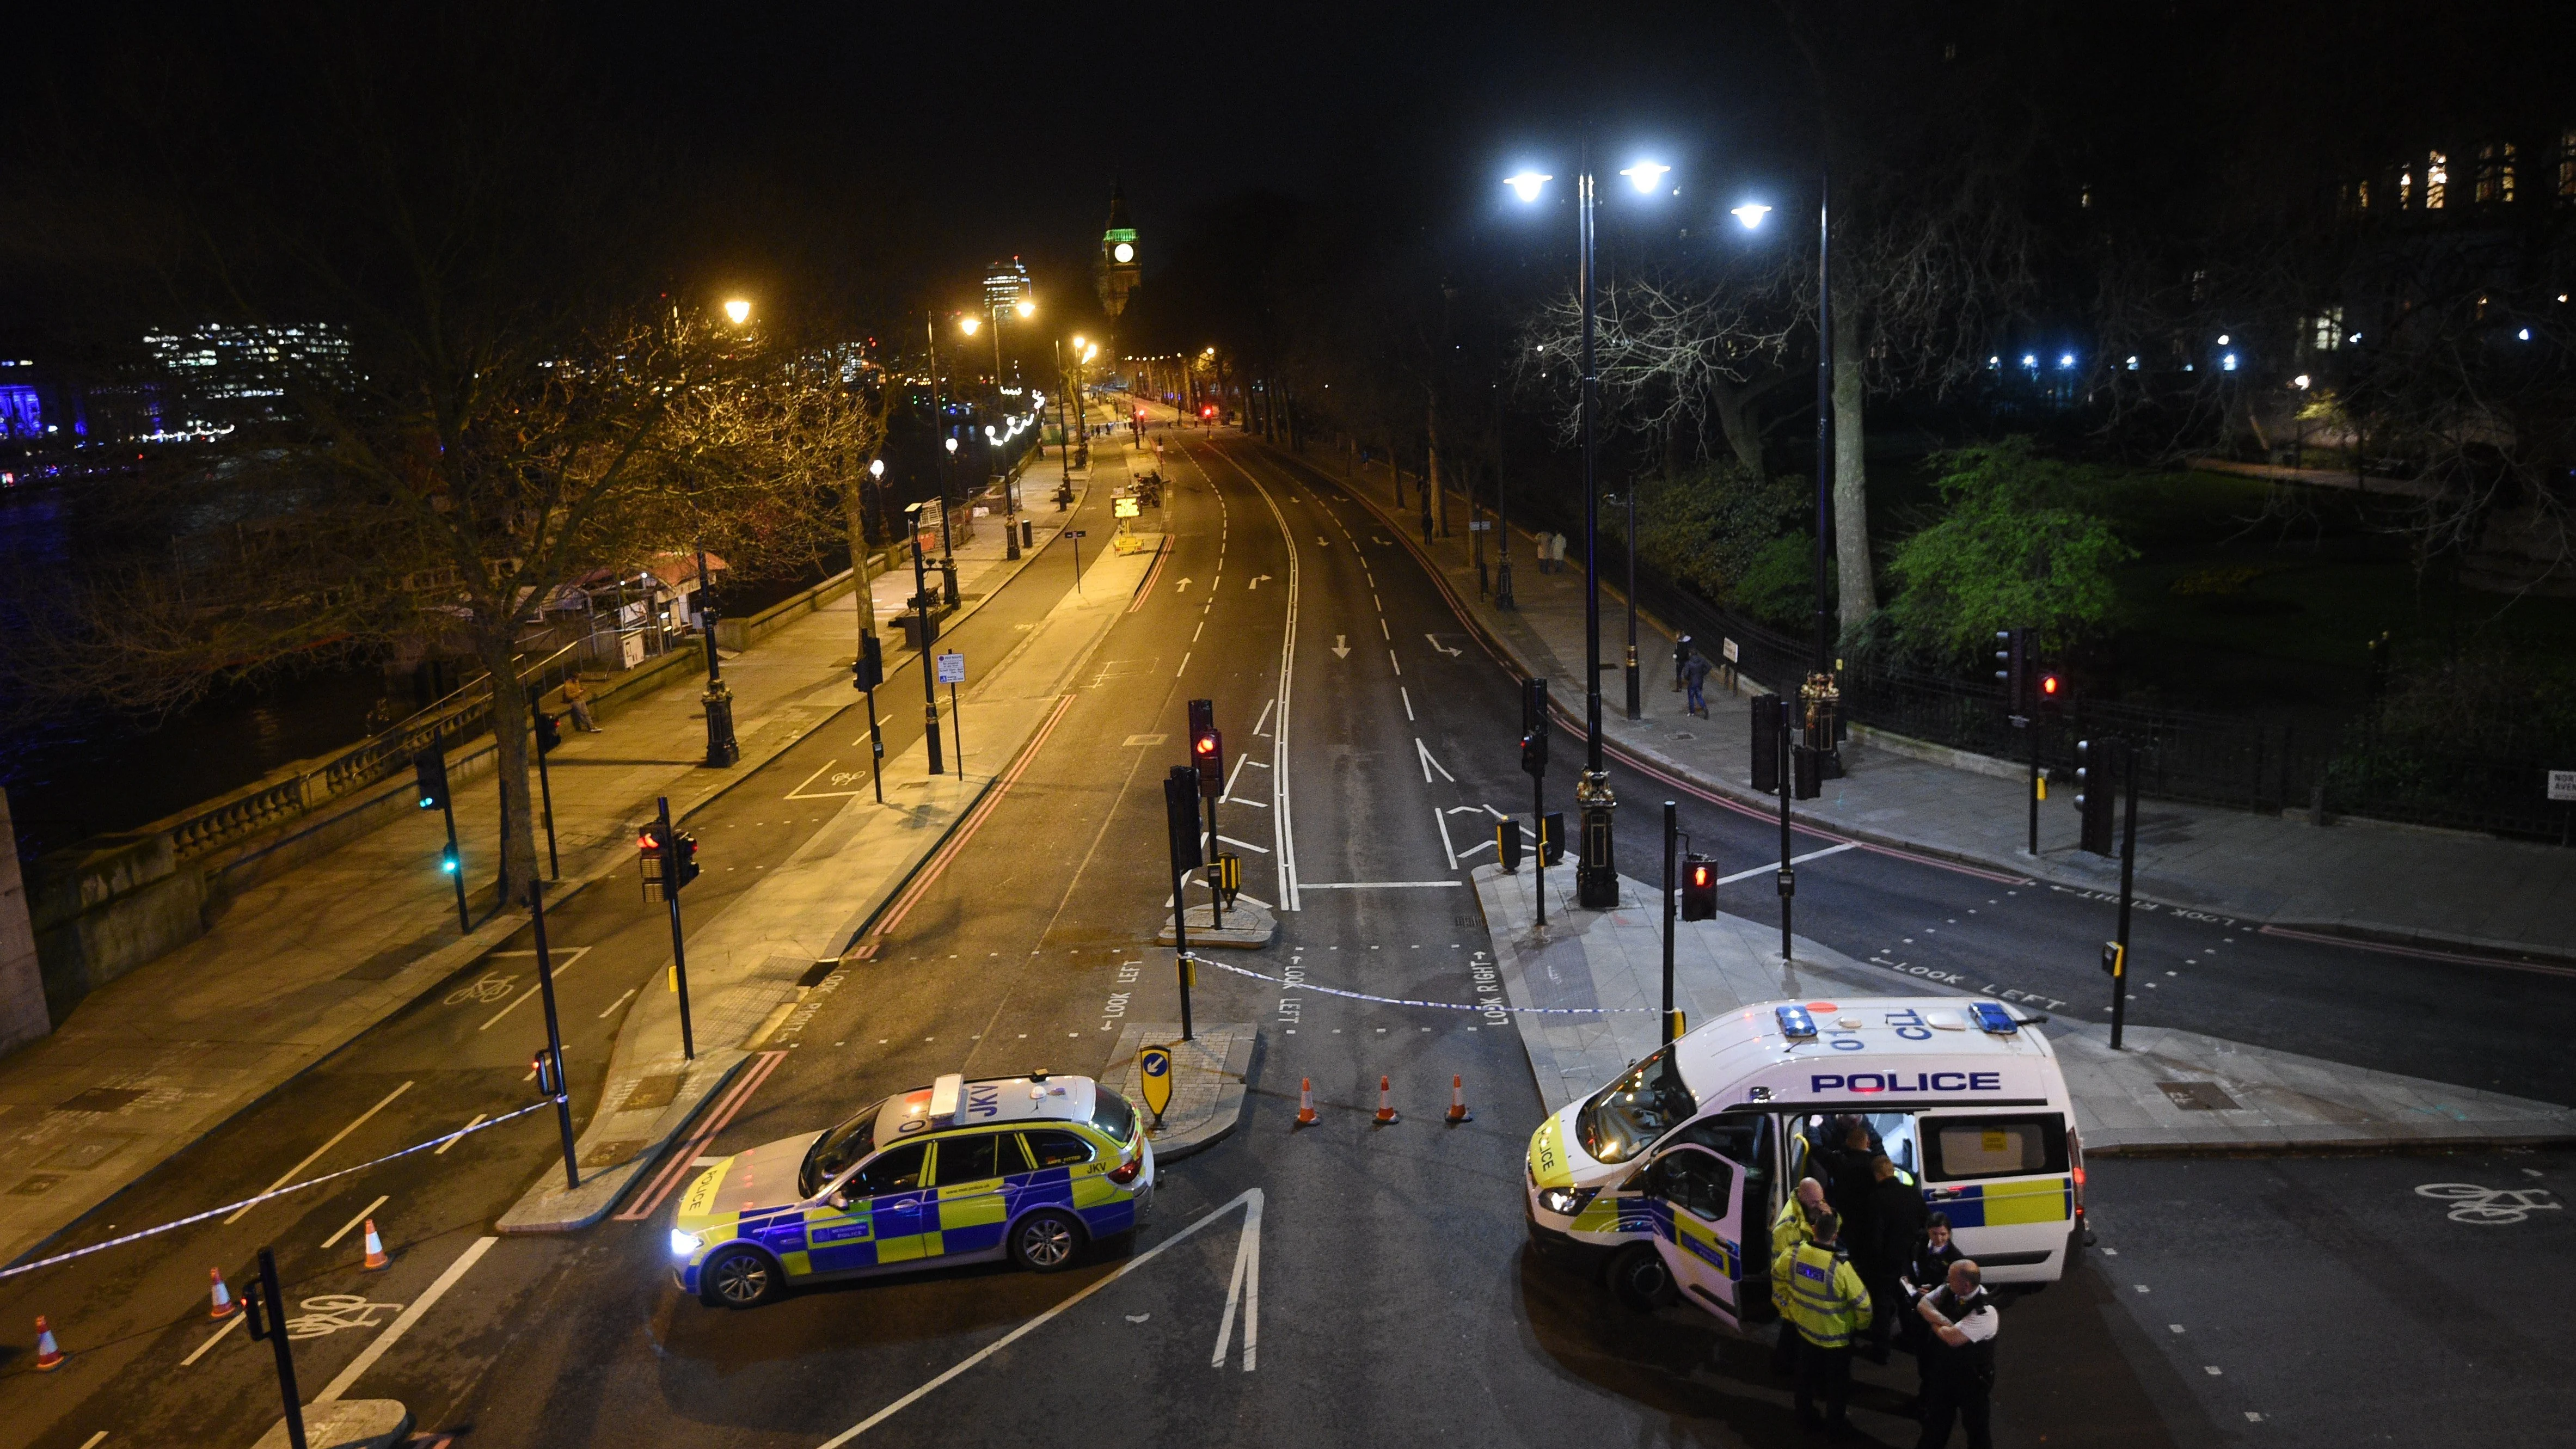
(104,1099)
(2198,1096)
(37,1186)
(652,1092)
(609,1154)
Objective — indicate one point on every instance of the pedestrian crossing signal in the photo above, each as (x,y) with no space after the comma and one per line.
(1226,875)
(549,734)
(868,670)
(1551,838)
(429,770)
(1507,845)
(1699,888)
(2115,960)
(684,861)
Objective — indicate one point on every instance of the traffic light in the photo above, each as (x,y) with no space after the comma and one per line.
(2115,960)
(1181,818)
(1551,838)
(1766,743)
(447,859)
(2014,656)
(2093,794)
(2051,690)
(683,862)
(543,1065)
(649,853)
(1507,845)
(429,767)
(868,670)
(1699,888)
(549,734)
(1534,727)
(1207,748)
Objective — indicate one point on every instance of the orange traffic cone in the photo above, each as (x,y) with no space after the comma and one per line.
(49,1355)
(375,1250)
(225,1305)
(1306,1102)
(1385,1108)
(1458,1101)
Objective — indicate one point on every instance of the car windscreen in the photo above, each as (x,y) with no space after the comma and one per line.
(834,1151)
(1626,1117)
(1111,1114)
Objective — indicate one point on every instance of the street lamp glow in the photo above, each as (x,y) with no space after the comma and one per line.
(1526,185)
(952,445)
(1645,175)
(876,468)
(969,325)
(2300,382)
(737,311)
(2066,359)
(1026,308)
(1751,214)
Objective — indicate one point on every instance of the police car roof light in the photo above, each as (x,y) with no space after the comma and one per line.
(1795,1024)
(946,1093)
(1992,1017)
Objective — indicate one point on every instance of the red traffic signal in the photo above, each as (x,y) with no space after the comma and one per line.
(1699,888)
(2052,686)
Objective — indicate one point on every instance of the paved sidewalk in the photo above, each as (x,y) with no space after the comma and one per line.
(2412,883)
(300,964)
(1209,1073)
(2167,1092)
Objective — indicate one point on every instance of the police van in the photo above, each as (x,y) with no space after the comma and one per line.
(1668,1179)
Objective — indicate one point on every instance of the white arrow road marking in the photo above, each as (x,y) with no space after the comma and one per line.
(1429,764)
(1257,581)
(1323,541)
(1446,848)
(1793,860)
(1245,1288)
(1341,646)
(1183,584)
(1436,644)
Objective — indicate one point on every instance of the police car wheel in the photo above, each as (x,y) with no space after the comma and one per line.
(1639,1279)
(1046,1242)
(739,1278)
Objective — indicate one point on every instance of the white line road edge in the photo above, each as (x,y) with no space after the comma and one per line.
(1282,822)
(1446,848)
(1377,885)
(1250,1198)
(318,1151)
(1793,860)
(1244,1288)
(364,1213)
(562,962)
(402,1323)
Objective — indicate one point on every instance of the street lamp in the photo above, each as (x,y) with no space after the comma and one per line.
(1010,494)
(1596,873)
(737,311)
(1750,213)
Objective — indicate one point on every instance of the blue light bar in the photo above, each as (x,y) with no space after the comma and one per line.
(1992,1017)
(1795,1024)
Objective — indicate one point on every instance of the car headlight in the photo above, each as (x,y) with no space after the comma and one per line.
(683,1244)
(1565,1202)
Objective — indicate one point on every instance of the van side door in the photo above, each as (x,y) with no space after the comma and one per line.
(1696,1199)
(2006,1182)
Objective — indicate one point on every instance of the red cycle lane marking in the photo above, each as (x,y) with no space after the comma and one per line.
(1162,556)
(679,1165)
(930,874)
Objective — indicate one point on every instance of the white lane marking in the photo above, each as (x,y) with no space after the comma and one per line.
(1184,669)
(1429,764)
(364,1213)
(1245,844)
(1375,885)
(1251,1196)
(1471,850)
(1265,716)
(1385,633)
(1256,764)
(1238,773)
(441,1149)
(1445,847)
(92,1440)
(1398,663)
(211,1340)
(289,1175)
(620,1001)
(562,963)
(1793,860)
(1245,1288)
(402,1324)
(1443,648)
(1201,629)
(1408,702)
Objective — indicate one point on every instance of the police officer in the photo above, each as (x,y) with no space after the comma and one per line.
(1795,1224)
(1959,1360)
(1828,1305)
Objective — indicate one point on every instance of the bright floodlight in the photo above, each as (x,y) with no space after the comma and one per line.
(2222,339)
(1751,214)
(1527,184)
(1646,175)
(952,445)
(2029,360)
(2066,359)
(968,325)
(988,430)
(737,311)
(1026,308)
(876,468)
(2300,382)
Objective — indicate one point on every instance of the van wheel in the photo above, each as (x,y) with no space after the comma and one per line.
(739,1278)
(1046,1241)
(1639,1279)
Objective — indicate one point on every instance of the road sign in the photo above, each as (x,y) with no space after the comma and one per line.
(1730,651)
(1154,1078)
(1127,508)
(952,669)
(2562,784)
(1077,533)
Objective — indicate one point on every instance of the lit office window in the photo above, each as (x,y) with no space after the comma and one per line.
(2495,173)
(2437,180)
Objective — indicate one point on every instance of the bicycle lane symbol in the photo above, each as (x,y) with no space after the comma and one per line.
(2489,1206)
(492,987)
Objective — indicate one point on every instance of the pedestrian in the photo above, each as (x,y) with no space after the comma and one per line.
(1827,1304)
(1695,675)
(576,698)
(1560,553)
(1795,1224)
(1959,1385)
(1681,656)
(1897,1205)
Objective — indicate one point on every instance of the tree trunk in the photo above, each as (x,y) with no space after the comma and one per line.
(1739,416)
(518,865)
(1431,465)
(1859,589)
(854,516)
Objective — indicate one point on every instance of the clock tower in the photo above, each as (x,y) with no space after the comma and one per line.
(1116,276)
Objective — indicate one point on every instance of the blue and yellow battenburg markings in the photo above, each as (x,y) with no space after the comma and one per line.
(2008,1204)
(1656,1217)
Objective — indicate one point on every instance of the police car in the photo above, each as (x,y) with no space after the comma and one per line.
(1025,1168)
(1668,1179)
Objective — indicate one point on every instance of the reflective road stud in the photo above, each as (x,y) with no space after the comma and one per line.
(1385,1108)
(376,1258)
(1306,1102)
(225,1306)
(49,1355)
(1458,1100)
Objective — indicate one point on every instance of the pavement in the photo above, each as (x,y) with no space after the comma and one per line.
(2441,888)
(2166,1092)
(302,963)
(1209,1072)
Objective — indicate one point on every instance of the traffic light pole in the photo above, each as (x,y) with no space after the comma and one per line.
(455,856)
(1788,873)
(876,747)
(265,1305)
(679,952)
(921,641)
(545,793)
(1216,897)
(1672,840)
(1538,837)
(554,1032)
(2128,888)
(2034,786)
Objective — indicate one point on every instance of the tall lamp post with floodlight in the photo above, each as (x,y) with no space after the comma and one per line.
(722,749)
(1596,872)
(1025,309)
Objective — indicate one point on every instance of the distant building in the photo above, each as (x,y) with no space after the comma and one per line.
(212,378)
(1118,257)
(1004,284)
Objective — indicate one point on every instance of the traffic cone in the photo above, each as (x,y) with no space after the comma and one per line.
(49,1355)
(1306,1102)
(375,1250)
(225,1305)
(1458,1100)
(1385,1108)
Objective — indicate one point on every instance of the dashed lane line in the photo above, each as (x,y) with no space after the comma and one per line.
(289,1175)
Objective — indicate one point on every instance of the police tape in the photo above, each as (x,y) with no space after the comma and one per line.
(122,1239)
(1409,1001)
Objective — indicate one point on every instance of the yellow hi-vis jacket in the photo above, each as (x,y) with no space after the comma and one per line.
(1818,1290)
(1788,1230)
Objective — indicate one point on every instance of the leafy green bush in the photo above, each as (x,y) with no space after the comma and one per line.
(2019,545)
(1718,528)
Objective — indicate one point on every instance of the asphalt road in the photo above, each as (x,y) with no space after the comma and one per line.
(1393,1297)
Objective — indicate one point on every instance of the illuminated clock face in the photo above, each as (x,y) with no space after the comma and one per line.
(1124,251)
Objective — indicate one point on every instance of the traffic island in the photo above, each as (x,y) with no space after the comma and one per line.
(347,1424)
(1248,927)
(1209,1072)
